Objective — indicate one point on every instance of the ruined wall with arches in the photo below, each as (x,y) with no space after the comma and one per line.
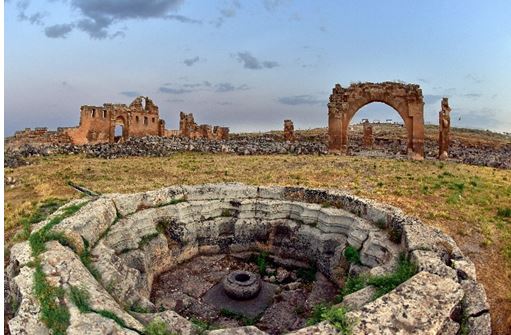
(98,123)
(406,99)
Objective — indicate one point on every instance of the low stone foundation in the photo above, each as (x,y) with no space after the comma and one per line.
(132,238)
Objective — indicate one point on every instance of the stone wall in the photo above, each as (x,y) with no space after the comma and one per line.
(38,136)
(190,129)
(134,237)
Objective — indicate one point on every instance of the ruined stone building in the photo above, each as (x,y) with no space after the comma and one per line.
(188,128)
(98,123)
(112,123)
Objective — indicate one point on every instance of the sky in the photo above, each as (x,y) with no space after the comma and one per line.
(251,64)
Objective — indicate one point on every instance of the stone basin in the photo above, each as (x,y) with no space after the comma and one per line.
(133,238)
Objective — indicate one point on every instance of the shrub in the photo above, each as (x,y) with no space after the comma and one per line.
(336,316)
(352,255)
(156,327)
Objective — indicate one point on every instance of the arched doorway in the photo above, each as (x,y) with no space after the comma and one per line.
(119,130)
(377,128)
(406,99)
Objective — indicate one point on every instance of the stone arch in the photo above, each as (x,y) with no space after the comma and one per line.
(406,99)
(119,122)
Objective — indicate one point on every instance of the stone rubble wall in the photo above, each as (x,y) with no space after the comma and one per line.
(136,236)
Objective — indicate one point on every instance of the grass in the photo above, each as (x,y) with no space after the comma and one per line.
(336,316)
(40,213)
(384,283)
(471,219)
(156,327)
(81,299)
(54,313)
(352,255)
(38,239)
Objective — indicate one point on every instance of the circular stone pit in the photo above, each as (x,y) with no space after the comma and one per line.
(128,240)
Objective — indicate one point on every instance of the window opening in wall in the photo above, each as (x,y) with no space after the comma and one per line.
(146,121)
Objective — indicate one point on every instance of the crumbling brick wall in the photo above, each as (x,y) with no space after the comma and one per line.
(98,123)
(189,128)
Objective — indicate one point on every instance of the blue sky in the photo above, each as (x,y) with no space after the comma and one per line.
(251,64)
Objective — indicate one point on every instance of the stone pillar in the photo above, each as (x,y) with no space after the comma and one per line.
(368,139)
(289,131)
(444,119)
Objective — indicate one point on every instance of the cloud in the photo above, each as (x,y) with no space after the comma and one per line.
(97,16)
(191,61)
(130,94)
(271,5)
(432,98)
(473,78)
(304,99)
(228,87)
(36,18)
(170,90)
(473,95)
(58,30)
(227,13)
(252,63)
(182,19)
(224,103)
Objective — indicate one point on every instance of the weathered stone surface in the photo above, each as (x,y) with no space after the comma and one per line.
(27,319)
(464,268)
(93,324)
(356,300)
(21,253)
(64,268)
(90,222)
(249,330)
(480,325)
(410,310)
(378,250)
(176,324)
(475,301)
(429,261)
(322,328)
(421,237)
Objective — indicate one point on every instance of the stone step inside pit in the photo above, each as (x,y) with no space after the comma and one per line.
(133,238)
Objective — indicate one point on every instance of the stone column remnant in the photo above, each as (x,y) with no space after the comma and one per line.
(368,139)
(444,119)
(289,130)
